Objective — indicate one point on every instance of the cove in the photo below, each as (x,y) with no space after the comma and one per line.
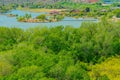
(12,21)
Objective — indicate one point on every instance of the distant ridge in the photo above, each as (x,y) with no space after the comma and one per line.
(52,1)
(45,1)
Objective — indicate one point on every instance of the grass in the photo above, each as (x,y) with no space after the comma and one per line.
(40,10)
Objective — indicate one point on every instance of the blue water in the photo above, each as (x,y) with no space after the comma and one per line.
(12,22)
(22,13)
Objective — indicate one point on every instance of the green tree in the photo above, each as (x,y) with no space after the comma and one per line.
(42,17)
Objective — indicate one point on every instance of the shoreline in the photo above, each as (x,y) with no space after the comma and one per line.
(40,10)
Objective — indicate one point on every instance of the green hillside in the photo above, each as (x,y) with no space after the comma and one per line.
(60,53)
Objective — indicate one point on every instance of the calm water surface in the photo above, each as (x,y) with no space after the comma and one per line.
(12,22)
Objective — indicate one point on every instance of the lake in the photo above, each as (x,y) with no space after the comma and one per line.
(12,21)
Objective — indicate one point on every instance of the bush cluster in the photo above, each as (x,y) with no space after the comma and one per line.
(56,53)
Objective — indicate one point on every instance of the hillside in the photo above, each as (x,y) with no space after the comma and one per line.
(44,1)
(53,1)
(60,53)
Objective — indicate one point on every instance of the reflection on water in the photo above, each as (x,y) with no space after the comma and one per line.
(12,22)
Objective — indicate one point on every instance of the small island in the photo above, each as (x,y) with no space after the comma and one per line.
(53,16)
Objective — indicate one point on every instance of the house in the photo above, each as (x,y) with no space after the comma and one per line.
(92,1)
(54,12)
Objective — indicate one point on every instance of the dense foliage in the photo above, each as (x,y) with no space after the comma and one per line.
(57,53)
(109,67)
